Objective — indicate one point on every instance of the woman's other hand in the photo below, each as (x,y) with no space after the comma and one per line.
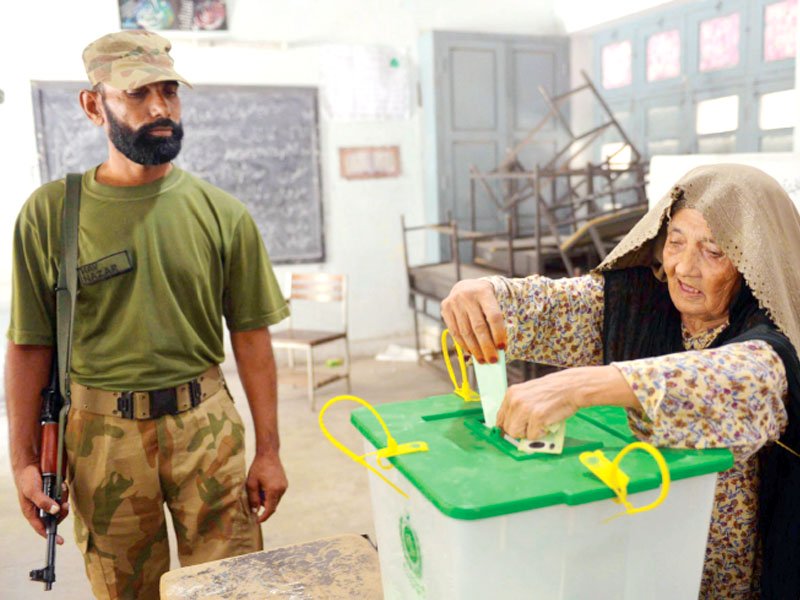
(473,316)
(530,407)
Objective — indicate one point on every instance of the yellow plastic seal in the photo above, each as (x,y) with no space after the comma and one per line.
(463,389)
(392,447)
(610,473)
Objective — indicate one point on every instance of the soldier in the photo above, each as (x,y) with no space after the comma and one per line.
(163,256)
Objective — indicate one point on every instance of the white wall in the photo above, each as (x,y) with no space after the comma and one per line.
(272,43)
(585,15)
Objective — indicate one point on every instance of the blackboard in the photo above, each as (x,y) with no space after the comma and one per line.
(260,144)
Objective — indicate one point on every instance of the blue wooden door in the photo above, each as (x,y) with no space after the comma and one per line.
(480,98)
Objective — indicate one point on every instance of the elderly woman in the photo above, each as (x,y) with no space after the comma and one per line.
(692,324)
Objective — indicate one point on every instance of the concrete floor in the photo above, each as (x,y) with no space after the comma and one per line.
(327,494)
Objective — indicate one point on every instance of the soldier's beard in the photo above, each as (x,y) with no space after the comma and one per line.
(139,145)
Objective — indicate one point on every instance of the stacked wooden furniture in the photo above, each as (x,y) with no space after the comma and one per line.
(581,209)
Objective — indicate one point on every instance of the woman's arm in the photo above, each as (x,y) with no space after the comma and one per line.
(731,397)
(530,407)
(728,397)
(552,321)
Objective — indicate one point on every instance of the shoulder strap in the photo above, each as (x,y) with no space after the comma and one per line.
(67,287)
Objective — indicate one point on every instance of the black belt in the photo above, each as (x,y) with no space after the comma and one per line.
(149,404)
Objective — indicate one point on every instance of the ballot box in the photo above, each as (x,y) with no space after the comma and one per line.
(484,520)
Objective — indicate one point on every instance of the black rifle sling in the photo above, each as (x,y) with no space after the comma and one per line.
(66,292)
(67,288)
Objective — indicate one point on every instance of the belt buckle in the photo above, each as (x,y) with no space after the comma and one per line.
(125,405)
(163,402)
(195,393)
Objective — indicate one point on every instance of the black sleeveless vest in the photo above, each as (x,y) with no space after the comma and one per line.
(640,321)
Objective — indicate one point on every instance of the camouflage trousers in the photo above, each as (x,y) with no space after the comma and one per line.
(121,472)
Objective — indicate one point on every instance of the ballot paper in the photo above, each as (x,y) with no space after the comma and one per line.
(492,386)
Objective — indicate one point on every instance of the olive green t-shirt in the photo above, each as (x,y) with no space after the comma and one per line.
(159,265)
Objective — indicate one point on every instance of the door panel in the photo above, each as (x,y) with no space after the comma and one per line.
(473,90)
(531,69)
(471,115)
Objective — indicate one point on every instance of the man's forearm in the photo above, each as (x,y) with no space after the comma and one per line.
(256,365)
(27,372)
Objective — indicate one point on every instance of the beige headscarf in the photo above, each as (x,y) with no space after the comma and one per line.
(753,221)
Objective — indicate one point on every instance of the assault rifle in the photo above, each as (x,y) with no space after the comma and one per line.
(56,396)
(53,466)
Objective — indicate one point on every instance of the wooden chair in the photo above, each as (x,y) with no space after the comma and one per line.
(324,288)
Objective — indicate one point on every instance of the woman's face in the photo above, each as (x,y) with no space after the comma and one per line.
(702,281)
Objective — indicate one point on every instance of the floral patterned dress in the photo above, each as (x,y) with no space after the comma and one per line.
(731,397)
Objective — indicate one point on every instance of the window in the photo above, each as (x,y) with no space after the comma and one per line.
(780,24)
(617,69)
(664,55)
(777,110)
(717,118)
(717,115)
(719,43)
(776,119)
(710,76)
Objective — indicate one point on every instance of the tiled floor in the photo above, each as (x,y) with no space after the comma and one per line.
(327,493)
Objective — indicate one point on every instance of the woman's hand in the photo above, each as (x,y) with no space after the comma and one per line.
(530,407)
(473,316)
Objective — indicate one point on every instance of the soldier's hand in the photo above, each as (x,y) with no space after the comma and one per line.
(32,498)
(266,484)
(473,316)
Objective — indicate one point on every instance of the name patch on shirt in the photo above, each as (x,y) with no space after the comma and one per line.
(105,268)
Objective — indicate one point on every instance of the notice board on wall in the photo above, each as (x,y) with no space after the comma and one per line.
(258,143)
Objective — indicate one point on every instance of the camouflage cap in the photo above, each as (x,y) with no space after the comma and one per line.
(127,60)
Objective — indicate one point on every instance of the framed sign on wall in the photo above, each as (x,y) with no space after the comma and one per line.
(369,162)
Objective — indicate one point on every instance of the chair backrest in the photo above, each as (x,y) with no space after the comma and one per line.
(320,287)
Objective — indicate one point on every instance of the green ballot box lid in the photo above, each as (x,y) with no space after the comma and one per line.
(471,472)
